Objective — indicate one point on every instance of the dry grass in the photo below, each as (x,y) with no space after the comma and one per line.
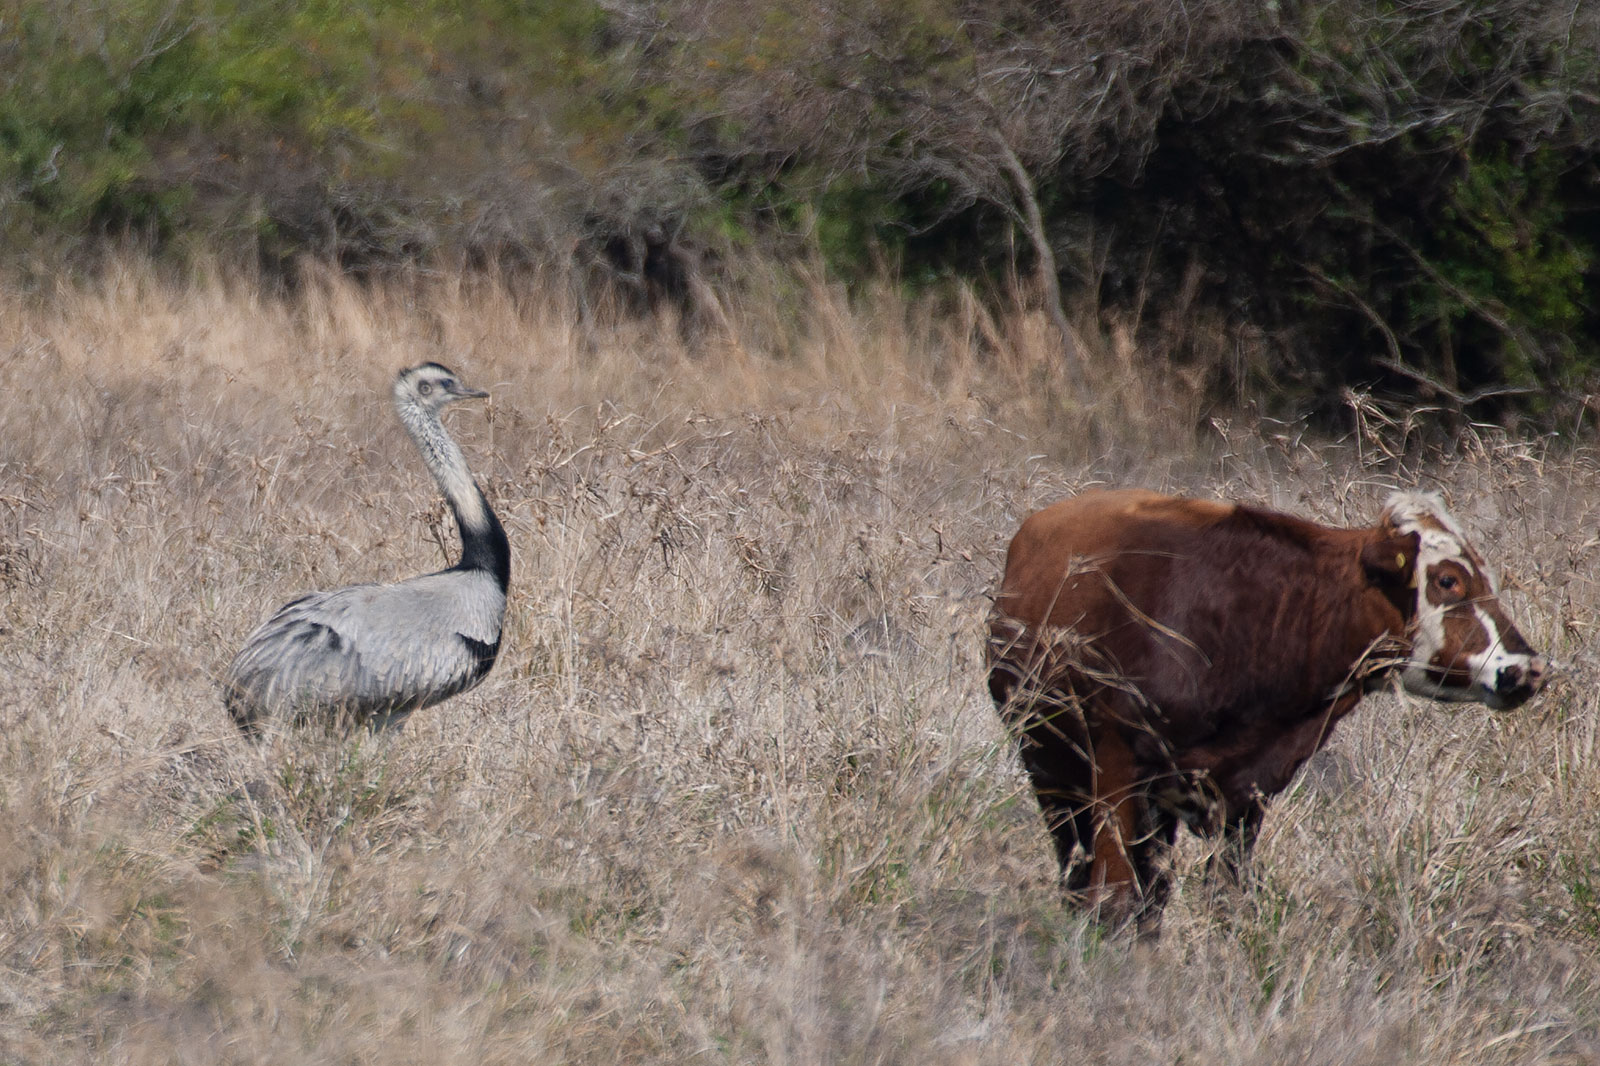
(735,792)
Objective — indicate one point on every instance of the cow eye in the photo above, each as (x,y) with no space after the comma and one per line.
(1449,582)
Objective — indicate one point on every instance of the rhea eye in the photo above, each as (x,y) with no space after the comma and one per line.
(424,388)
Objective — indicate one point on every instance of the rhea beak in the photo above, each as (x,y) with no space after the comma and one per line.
(461,392)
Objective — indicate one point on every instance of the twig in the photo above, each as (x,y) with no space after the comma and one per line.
(1460,399)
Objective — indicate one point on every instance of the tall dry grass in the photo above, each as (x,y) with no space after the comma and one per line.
(734,792)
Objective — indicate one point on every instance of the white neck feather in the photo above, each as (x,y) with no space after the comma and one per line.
(446,463)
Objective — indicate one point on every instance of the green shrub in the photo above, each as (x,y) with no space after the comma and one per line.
(1346,191)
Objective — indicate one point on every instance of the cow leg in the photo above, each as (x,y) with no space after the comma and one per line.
(1238,840)
(1053,743)
(1110,840)
(1156,879)
(1132,836)
(1061,784)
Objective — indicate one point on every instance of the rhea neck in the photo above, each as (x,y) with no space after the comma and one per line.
(483,540)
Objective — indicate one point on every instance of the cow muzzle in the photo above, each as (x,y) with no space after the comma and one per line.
(1517,682)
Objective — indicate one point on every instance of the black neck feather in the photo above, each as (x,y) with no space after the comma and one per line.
(485,547)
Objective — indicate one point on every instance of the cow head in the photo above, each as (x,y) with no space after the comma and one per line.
(1463,646)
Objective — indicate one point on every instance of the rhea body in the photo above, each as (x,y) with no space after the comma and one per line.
(373,654)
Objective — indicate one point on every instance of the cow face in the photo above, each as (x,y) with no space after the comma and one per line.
(1463,647)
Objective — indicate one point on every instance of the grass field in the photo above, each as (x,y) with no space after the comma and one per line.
(734,792)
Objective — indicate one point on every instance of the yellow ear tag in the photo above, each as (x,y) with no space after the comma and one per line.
(1400,561)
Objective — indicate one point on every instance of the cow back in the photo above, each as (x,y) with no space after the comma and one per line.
(1211,617)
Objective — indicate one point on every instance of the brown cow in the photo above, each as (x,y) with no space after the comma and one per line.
(1169,659)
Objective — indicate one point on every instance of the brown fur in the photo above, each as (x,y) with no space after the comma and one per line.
(1167,660)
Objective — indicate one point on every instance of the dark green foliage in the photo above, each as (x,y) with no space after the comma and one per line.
(1399,204)
(1359,192)
(1366,193)
(352,129)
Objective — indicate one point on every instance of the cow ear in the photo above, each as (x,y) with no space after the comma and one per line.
(1390,560)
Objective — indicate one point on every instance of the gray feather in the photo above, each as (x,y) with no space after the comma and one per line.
(378,652)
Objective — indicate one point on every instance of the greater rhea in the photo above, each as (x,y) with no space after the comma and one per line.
(375,653)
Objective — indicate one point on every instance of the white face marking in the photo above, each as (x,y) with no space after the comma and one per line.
(1462,645)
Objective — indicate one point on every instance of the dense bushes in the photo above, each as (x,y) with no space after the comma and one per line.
(1361,191)
(1296,195)
(1414,193)
(364,131)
